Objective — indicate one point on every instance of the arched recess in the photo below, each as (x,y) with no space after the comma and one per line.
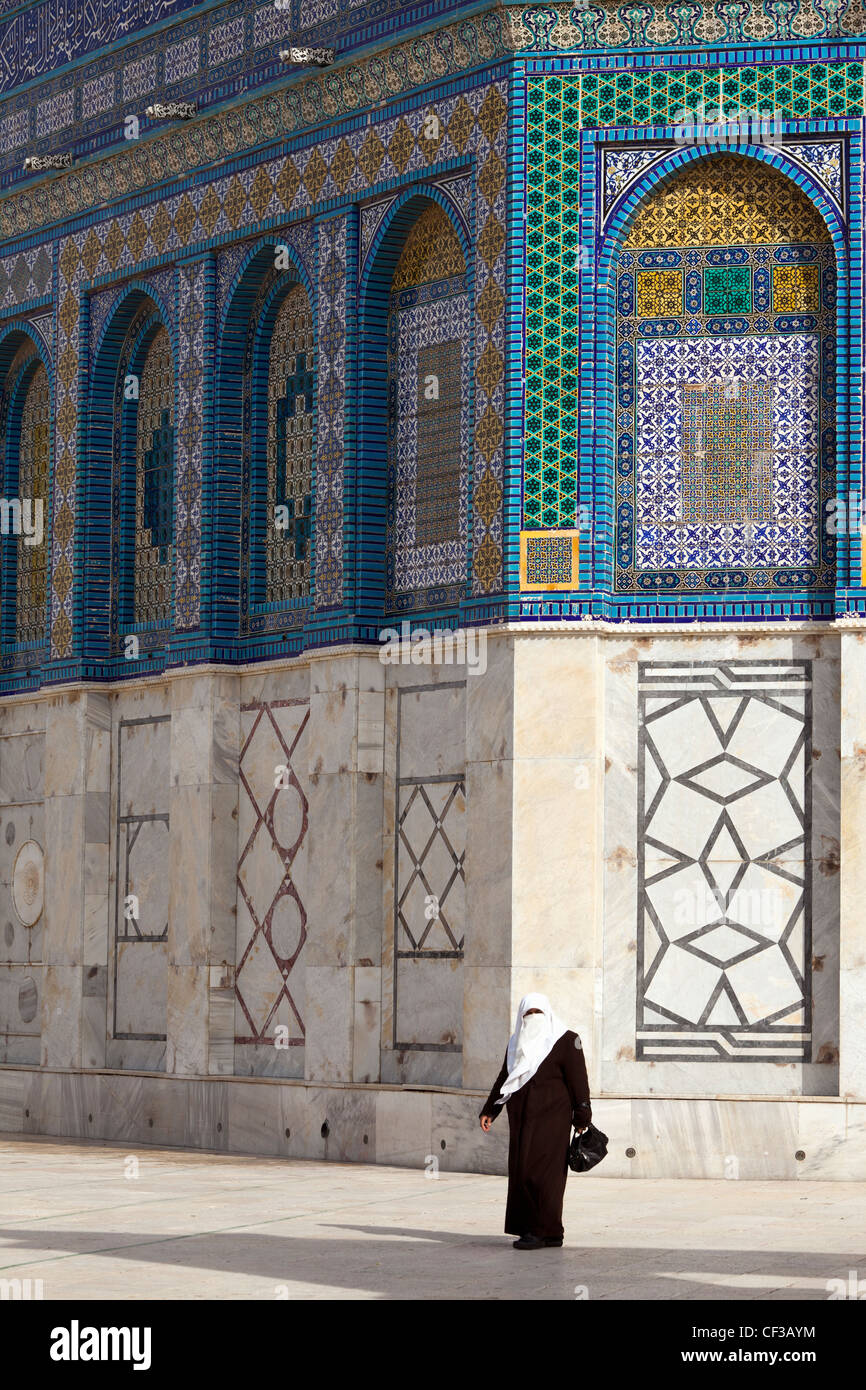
(26,431)
(415,436)
(128,534)
(266,416)
(722,426)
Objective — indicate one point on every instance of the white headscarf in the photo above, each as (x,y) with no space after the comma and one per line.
(528,1046)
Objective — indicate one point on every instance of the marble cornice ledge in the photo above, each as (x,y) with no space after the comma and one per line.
(575,627)
(195,671)
(219,1078)
(602,627)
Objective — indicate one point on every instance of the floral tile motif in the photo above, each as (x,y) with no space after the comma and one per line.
(824,160)
(727,455)
(333,254)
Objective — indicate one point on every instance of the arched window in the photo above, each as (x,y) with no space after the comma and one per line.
(428,364)
(281,558)
(149,539)
(31,569)
(127,490)
(26,417)
(725,409)
(265,433)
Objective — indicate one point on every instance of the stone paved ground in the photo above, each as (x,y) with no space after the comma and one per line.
(205,1226)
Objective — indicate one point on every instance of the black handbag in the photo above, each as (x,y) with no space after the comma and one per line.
(586,1150)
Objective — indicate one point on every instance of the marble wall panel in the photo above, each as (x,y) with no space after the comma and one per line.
(458,1142)
(367,1023)
(255,1120)
(13,1087)
(344,896)
(76,761)
(22,833)
(403,1128)
(143,761)
(424,872)
(140,993)
(330,1012)
(271,887)
(638,769)
(61,1013)
(22,773)
(730,1139)
(349,1121)
(557,826)
(20,1012)
(832,1139)
(20,940)
(140,856)
(852,936)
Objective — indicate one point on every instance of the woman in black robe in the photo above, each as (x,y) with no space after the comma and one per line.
(546,1092)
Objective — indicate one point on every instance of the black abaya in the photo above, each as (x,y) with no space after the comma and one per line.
(540,1117)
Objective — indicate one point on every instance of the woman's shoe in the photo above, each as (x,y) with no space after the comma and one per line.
(537,1242)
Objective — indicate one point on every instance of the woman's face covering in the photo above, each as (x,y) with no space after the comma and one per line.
(533,1026)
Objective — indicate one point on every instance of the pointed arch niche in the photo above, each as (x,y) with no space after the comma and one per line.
(266,424)
(25,447)
(416,402)
(129,484)
(725,387)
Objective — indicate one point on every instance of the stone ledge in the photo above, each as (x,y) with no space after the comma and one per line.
(650,1137)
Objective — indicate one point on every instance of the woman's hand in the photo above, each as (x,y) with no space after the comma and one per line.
(486,1122)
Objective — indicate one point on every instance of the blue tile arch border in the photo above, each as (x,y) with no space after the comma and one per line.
(341,623)
(592,598)
(373,292)
(515,332)
(225,497)
(600,337)
(95,564)
(15,657)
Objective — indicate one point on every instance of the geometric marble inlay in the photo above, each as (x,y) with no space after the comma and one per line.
(724,868)
(272,918)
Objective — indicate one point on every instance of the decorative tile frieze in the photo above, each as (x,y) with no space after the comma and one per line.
(471,123)
(562,26)
(333,250)
(192,289)
(26,276)
(292,109)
